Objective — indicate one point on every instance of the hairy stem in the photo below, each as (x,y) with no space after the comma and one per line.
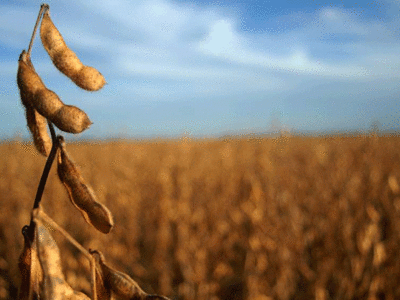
(43,8)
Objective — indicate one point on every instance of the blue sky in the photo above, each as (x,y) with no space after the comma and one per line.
(206,68)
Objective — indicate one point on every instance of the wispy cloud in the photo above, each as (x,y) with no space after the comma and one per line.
(160,50)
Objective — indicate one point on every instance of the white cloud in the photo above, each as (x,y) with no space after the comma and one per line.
(172,41)
(161,50)
(221,39)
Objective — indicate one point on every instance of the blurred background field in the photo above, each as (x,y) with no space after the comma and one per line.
(236,218)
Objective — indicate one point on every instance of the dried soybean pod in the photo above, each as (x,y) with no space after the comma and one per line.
(71,119)
(34,93)
(47,103)
(67,118)
(52,39)
(54,285)
(102,291)
(88,78)
(81,194)
(28,84)
(123,286)
(65,59)
(29,267)
(24,265)
(27,79)
(37,125)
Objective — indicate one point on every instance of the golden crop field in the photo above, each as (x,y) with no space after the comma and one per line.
(269,218)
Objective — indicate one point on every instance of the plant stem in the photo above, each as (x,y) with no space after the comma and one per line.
(43,8)
(45,175)
(47,167)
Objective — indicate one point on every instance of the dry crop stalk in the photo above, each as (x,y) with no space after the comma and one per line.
(65,59)
(34,93)
(81,194)
(40,262)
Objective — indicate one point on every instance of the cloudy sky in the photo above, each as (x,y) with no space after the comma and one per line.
(206,68)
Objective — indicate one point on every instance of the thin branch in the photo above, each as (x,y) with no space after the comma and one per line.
(40,214)
(47,167)
(52,131)
(43,8)
(45,175)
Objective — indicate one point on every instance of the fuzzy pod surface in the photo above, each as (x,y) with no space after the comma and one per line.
(34,93)
(65,60)
(81,194)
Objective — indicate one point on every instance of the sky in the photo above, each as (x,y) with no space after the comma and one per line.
(211,68)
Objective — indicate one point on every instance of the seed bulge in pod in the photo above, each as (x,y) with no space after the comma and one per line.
(123,286)
(66,60)
(88,78)
(47,103)
(81,194)
(28,81)
(71,119)
(34,92)
(37,125)
(52,39)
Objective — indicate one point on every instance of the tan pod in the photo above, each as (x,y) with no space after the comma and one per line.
(65,59)
(47,103)
(81,194)
(34,92)
(71,119)
(123,286)
(37,125)
(103,292)
(30,269)
(27,79)
(54,285)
